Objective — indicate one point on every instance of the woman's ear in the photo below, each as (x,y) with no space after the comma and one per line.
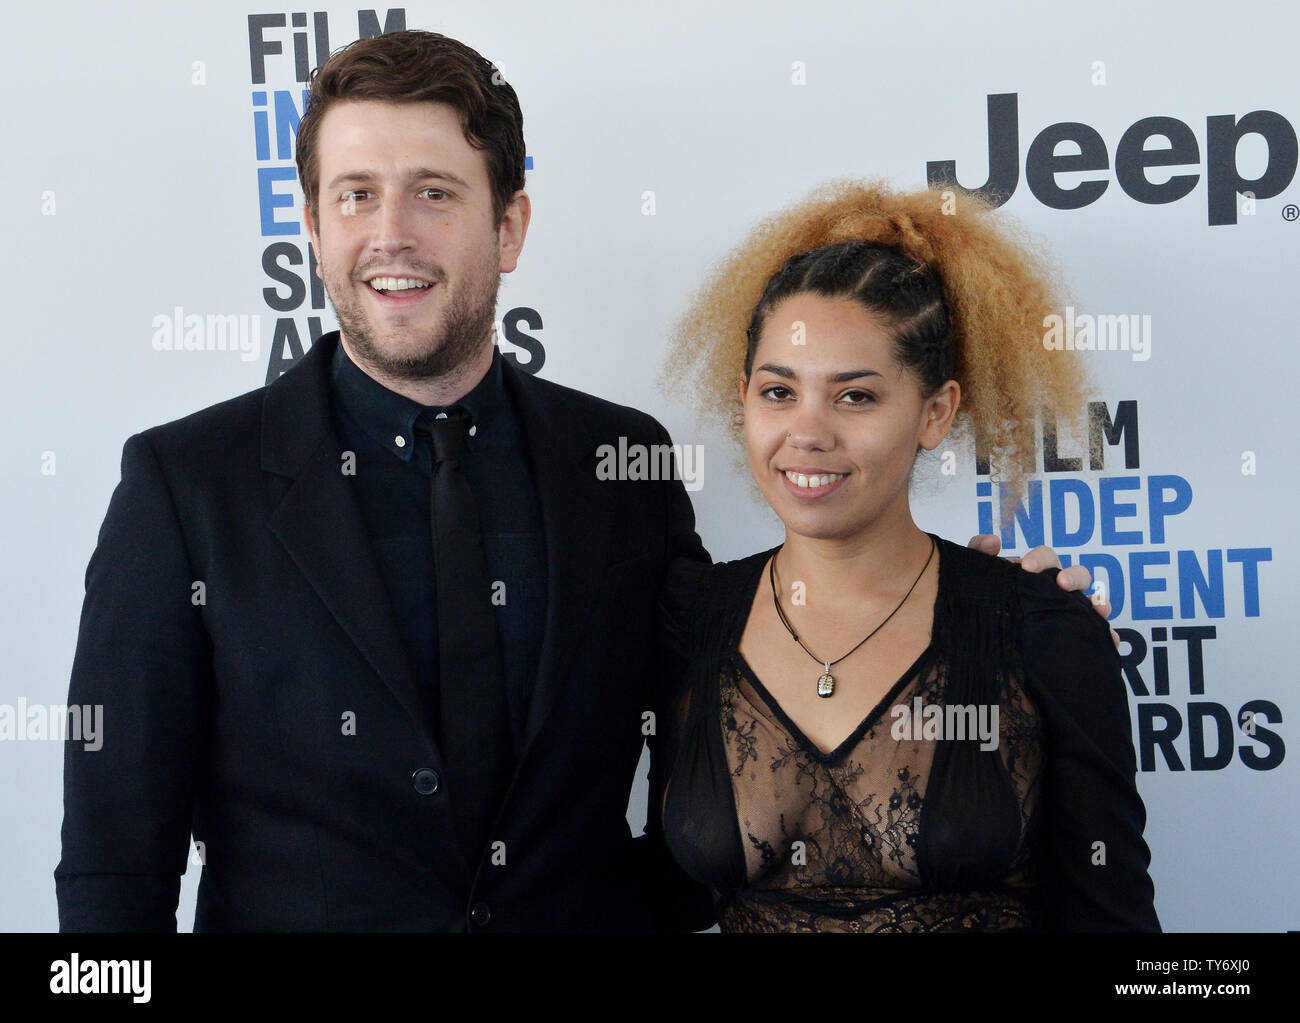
(744,388)
(940,408)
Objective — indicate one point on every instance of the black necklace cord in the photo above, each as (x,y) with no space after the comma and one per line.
(771,575)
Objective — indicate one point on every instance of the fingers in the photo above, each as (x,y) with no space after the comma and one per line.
(1040,558)
(1076,578)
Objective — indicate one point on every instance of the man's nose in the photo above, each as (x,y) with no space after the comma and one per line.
(394,227)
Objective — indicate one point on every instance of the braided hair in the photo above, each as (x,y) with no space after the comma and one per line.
(962,293)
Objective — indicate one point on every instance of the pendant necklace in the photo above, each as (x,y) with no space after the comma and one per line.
(826,681)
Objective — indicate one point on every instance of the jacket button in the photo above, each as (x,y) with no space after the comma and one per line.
(425,781)
(480,914)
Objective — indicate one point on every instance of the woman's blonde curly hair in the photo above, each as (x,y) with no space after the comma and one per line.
(964,292)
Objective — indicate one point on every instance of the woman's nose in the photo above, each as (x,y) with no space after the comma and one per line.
(810,430)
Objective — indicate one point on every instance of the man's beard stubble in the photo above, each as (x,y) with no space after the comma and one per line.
(466,324)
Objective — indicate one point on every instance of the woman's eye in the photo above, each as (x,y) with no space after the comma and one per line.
(776,392)
(858,397)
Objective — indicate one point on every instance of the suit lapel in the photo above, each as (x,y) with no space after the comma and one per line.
(577,512)
(319,521)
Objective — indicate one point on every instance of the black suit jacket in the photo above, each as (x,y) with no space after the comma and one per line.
(238,634)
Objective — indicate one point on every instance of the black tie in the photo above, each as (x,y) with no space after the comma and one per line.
(475,727)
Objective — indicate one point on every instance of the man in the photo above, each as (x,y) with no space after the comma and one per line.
(376,634)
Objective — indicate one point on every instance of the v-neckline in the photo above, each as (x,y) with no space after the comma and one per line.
(850,740)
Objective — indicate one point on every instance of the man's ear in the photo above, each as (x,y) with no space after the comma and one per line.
(513,230)
(314,236)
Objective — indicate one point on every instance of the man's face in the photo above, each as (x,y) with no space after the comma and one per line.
(405,238)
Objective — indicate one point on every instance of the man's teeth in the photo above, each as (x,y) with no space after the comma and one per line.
(396,283)
(800,480)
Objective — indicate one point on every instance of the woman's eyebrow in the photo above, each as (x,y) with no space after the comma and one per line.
(853,374)
(835,378)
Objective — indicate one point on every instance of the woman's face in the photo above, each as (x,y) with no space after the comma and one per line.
(832,421)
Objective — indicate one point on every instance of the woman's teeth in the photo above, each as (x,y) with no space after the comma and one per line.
(800,480)
(383,284)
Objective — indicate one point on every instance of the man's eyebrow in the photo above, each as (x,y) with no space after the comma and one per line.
(837,378)
(419,174)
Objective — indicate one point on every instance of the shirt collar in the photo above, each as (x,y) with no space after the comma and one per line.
(389,418)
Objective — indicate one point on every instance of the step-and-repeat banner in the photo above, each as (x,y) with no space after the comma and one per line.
(156,263)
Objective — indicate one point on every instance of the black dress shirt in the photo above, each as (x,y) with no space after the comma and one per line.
(393,469)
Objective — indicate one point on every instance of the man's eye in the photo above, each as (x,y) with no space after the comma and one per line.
(354,195)
(438,192)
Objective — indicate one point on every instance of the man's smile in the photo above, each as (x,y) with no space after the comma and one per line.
(398,291)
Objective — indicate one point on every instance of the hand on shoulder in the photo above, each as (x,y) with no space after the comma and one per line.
(1075,579)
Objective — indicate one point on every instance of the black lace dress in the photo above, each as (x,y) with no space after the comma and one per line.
(900,828)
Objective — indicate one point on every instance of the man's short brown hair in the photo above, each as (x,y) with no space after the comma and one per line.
(414,66)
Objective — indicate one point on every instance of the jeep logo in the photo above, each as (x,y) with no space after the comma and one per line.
(1223,180)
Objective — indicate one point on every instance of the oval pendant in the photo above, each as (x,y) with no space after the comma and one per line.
(826,685)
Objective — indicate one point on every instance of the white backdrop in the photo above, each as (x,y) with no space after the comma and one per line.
(658,136)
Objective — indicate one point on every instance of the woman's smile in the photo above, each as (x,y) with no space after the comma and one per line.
(810,484)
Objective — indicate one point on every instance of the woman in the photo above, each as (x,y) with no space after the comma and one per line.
(876,729)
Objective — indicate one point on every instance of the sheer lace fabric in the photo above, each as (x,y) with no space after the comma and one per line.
(830,839)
